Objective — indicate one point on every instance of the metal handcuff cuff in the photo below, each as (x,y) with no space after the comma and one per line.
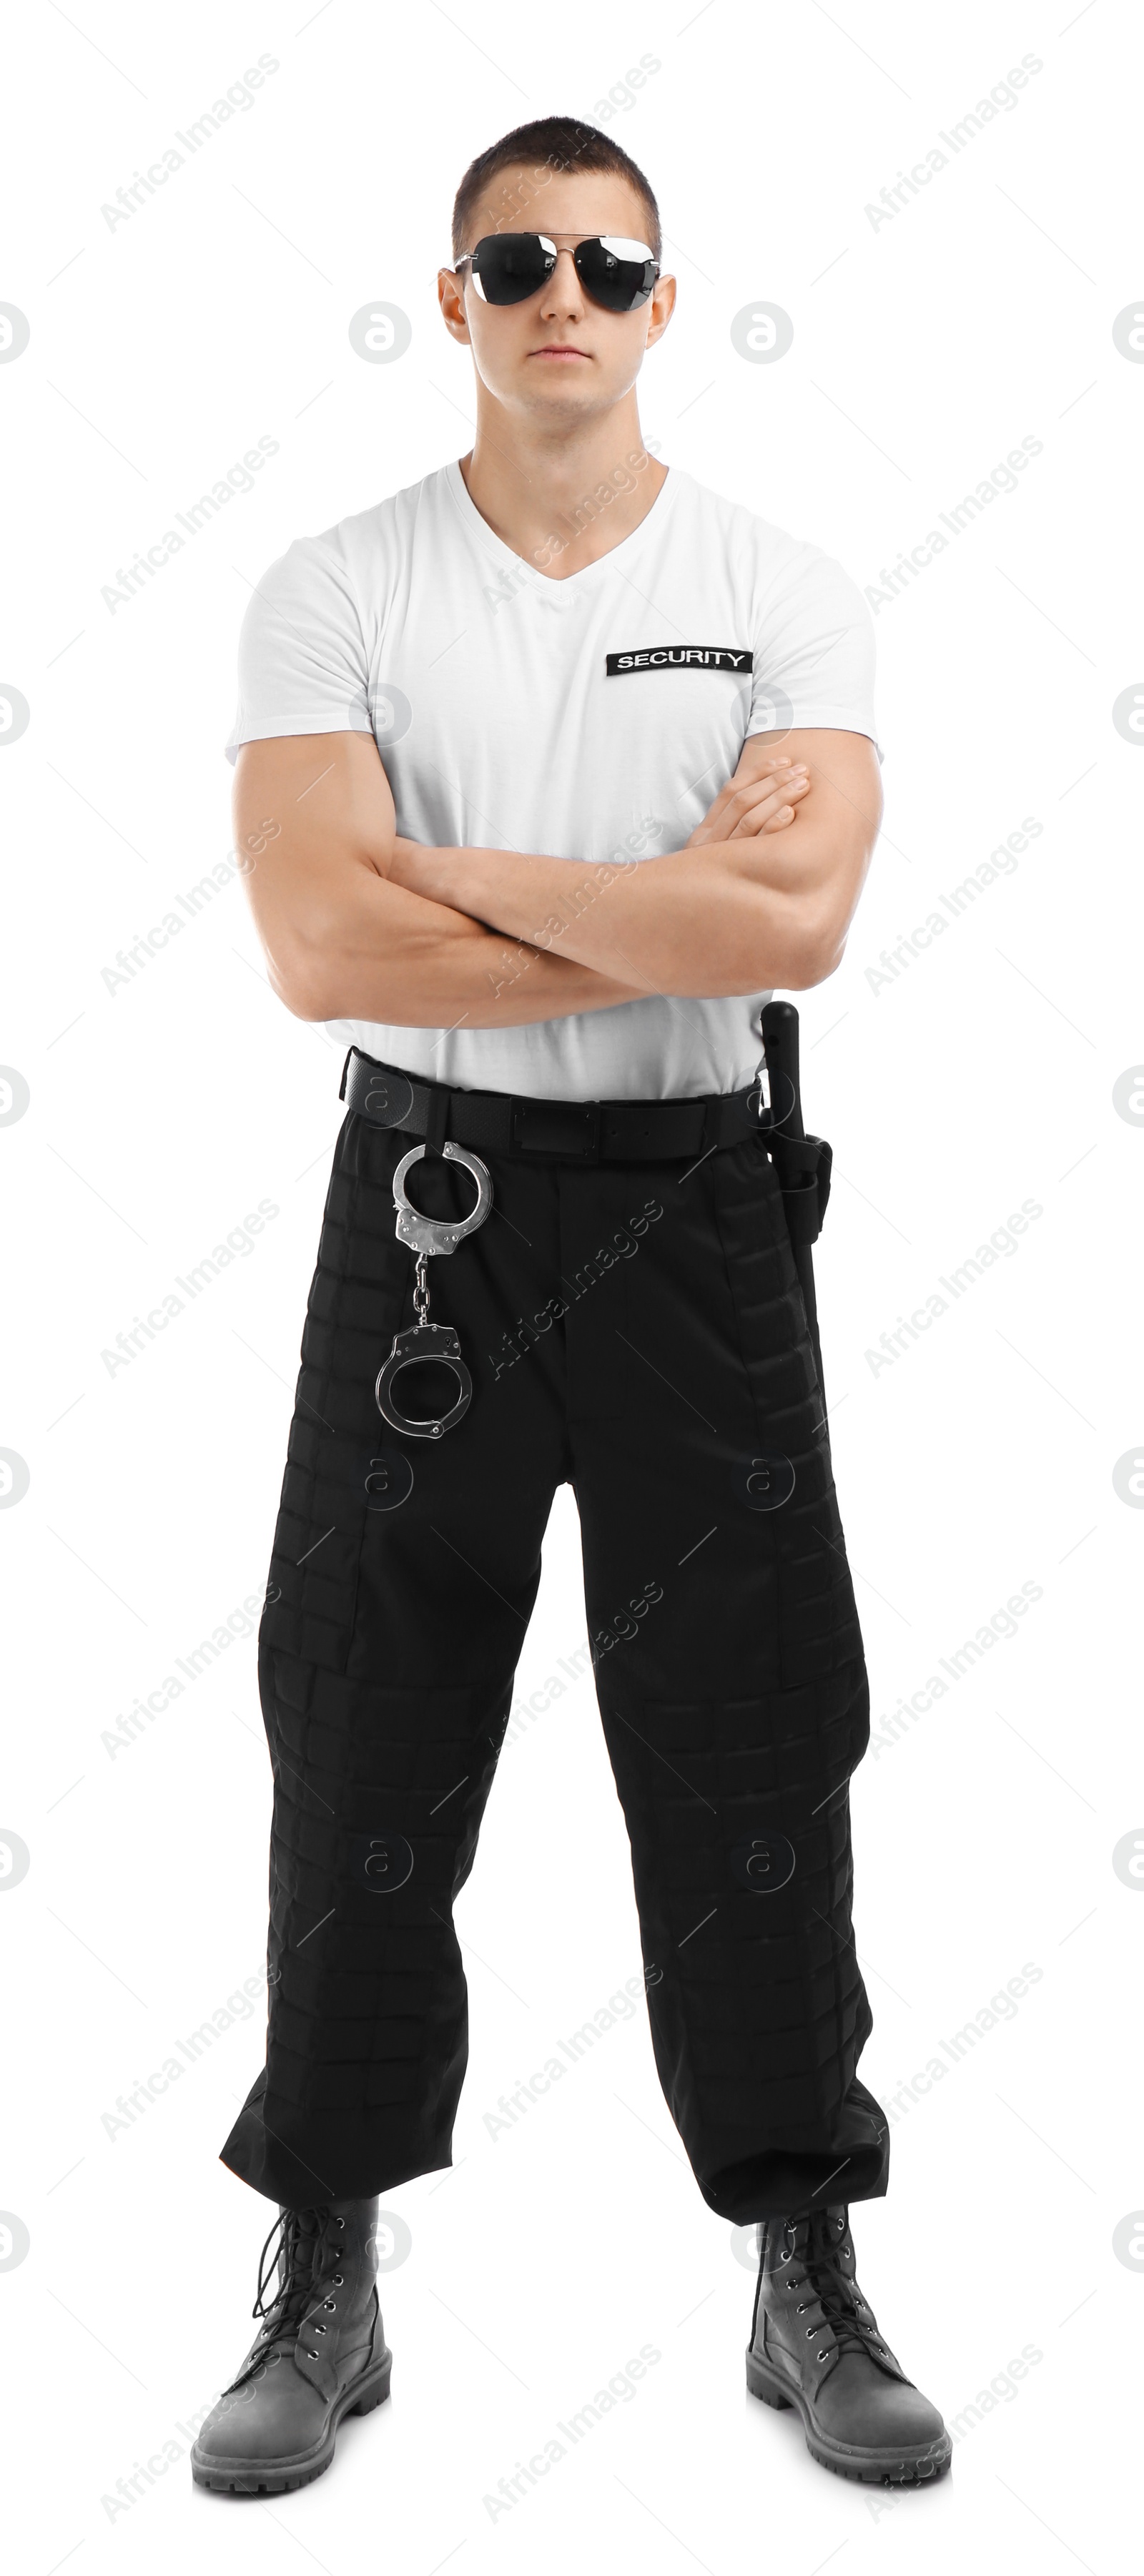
(426,1235)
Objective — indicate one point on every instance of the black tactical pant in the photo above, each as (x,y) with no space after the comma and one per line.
(636,1329)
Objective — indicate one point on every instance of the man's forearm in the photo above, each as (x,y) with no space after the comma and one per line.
(730,917)
(395,957)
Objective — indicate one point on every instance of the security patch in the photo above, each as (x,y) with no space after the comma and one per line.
(681,657)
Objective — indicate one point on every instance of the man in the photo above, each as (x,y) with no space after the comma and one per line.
(549,769)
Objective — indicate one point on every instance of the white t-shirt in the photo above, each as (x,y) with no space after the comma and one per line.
(588,718)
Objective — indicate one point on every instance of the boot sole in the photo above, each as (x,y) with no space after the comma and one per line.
(914,2465)
(280,2477)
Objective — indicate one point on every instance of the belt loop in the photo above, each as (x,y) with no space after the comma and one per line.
(345,1070)
(437,1115)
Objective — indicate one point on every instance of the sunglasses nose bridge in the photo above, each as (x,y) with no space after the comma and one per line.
(564,277)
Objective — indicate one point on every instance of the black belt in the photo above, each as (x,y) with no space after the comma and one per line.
(578,1131)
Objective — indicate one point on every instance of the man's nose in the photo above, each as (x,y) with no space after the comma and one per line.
(563,292)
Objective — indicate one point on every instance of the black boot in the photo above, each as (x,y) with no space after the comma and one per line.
(321,2354)
(815,2345)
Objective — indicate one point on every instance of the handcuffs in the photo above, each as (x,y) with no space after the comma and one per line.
(426,1235)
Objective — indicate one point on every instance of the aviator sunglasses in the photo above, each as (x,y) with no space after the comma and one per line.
(614,272)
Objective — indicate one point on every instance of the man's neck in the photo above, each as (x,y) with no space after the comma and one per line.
(562,500)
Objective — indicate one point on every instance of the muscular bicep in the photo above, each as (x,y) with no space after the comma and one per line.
(311,811)
(829,845)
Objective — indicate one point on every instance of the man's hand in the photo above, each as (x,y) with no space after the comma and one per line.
(753,801)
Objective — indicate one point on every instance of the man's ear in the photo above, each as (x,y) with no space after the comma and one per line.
(662,308)
(452,303)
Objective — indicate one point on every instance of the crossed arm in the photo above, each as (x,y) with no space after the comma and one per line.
(358,923)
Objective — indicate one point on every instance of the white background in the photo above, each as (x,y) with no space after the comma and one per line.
(982,1458)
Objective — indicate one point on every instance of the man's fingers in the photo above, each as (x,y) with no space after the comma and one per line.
(759,791)
(765,802)
(764,806)
(778,773)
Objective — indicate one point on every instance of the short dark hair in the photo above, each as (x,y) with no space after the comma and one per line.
(550,143)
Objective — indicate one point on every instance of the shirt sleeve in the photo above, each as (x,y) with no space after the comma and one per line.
(302,664)
(814,652)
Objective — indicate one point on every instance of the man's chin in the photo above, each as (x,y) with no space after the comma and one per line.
(573,399)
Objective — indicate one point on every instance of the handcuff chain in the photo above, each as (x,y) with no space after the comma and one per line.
(424,1236)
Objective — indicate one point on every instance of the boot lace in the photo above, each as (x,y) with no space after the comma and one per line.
(299,2233)
(845,2312)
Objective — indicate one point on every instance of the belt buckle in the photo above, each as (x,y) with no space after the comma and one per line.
(569,1128)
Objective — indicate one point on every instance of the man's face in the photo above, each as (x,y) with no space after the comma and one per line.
(558,355)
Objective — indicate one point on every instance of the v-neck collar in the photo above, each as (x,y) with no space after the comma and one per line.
(616,557)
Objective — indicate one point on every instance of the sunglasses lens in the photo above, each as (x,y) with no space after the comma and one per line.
(618,274)
(507,267)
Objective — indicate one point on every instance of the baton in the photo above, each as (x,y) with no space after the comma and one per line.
(802,1162)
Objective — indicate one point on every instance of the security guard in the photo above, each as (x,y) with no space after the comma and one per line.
(549,769)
